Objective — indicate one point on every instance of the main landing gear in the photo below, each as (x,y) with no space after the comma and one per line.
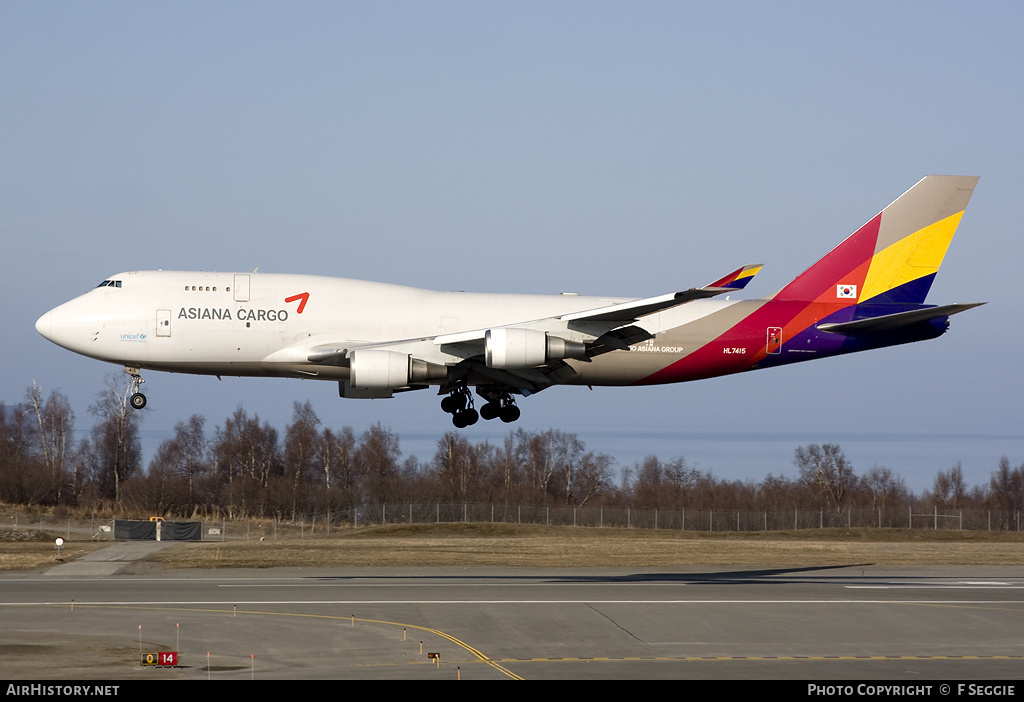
(499,405)
(459,404)
(137,400)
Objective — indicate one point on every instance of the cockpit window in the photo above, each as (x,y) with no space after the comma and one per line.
(110,284)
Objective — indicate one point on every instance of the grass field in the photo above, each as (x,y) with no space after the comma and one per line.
(537,546)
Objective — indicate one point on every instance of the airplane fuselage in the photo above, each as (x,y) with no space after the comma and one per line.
(260,324)
(238,324)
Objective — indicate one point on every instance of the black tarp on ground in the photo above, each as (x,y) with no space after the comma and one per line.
(137,530)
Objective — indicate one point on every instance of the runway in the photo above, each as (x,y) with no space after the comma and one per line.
(858,622)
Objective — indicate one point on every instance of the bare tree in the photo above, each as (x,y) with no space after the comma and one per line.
(950,490)
(301,447)
(825,467)
(19,467)
(116,454)
(245,455)
(377,457)
(186,456)
(55,420)
(590,477)
(337,464)
(457,468)
(663,485)
(1006,489)
(885,488)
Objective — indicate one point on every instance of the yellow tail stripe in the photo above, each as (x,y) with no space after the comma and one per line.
(910,258)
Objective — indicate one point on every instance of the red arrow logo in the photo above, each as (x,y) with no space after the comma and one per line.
(304,297)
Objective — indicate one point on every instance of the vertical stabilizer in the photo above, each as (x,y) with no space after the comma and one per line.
(895,256)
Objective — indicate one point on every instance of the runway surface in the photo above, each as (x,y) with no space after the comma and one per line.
(858,622)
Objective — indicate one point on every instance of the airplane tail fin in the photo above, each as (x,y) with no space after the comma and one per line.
(895,256)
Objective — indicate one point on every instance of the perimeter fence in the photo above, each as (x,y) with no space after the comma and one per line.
(675,519)
(683,519)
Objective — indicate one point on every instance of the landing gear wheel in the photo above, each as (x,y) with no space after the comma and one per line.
(460,405)
(465,418)
(490,411)
(509,413)
(137,399)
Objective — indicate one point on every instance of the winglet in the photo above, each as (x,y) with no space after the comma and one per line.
(738,279)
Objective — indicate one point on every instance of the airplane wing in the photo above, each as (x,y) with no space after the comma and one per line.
(628,312)
(531,355)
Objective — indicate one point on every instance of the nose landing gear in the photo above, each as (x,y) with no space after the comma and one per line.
(137,400)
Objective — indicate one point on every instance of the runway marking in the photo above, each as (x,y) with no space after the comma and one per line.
(158,607)
(499,664)
(761,658)
(228,603)
(967,586)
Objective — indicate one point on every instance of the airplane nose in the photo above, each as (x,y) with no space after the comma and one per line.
(43,325)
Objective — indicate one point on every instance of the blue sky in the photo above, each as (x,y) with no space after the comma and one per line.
(599,148)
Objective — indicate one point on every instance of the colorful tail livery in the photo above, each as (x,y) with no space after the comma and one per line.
(377,339)
(868,292)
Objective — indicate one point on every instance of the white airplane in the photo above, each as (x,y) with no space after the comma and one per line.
(376,339)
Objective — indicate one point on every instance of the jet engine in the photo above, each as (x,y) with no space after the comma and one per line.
(526,348)
(379,369)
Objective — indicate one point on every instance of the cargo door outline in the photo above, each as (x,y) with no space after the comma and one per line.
(241,291)
(163,322)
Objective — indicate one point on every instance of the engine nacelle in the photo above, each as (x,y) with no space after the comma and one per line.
(526,348)
(373,369)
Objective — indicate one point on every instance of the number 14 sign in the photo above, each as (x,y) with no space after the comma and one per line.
(161,658)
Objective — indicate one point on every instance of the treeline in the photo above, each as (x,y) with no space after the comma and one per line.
(243,467)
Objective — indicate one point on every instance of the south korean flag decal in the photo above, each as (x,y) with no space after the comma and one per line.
(846,292)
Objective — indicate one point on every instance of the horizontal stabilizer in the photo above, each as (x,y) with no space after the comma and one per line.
(893,322)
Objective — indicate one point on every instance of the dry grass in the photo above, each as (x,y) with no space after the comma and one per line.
(26,555)
(535,546)
(454,545)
